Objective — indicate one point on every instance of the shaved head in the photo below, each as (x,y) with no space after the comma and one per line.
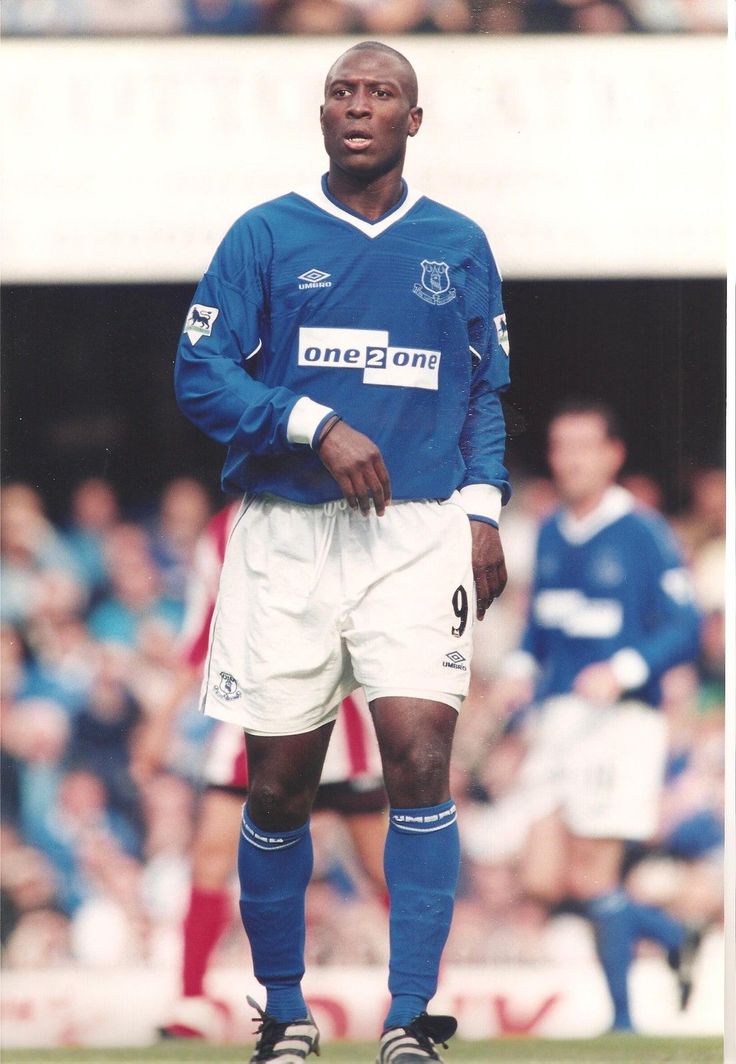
(410,77)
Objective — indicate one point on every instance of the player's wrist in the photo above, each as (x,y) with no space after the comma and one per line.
(324,431)
(307,420)
(482,502)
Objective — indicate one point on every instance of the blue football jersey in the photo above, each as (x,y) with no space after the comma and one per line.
(396,325)
(615,583)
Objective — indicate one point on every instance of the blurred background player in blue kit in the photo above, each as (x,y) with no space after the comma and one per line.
(348,343)
(611,610)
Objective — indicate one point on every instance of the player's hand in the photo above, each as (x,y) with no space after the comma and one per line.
(357,465)
(598,683)
(489,567)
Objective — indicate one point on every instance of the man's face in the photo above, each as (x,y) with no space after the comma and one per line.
(582,458)
(368,113)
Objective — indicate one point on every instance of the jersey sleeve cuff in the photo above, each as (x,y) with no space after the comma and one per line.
(629,668)
(482,502)
(306,420)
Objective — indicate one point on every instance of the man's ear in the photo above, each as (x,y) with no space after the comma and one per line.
(415,120)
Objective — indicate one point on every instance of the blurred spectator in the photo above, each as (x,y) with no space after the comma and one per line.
(136,591)
(110,926)
(34,735)
(183,512)
(59,639)
(381,17)
(22,676)
(315,16)
(101,739)
(78,812)
(227,16)
(35,934)
(29,547)
(94,513)
(82,17)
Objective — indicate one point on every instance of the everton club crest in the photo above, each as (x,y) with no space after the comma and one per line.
(435,286)
(227,688)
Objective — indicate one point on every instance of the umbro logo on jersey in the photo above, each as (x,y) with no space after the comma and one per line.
(455,660)
(200,321)
(435,284)
(314,279)
(369,350)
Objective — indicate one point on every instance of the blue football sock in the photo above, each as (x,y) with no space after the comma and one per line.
(614,936)
(274,870)
(422,863)
(656,925)
(619,923)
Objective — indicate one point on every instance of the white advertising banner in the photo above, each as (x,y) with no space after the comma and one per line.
(82,1007)
(126,160)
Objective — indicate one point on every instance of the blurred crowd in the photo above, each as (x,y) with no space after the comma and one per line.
(96,865)
(366,17)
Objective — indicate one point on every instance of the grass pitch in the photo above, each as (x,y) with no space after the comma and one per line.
(609,1049)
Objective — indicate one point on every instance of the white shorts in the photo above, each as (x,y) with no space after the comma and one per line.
(601,766)
(315,601)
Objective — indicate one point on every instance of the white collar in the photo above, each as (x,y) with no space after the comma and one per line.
(616,502)
(315,195)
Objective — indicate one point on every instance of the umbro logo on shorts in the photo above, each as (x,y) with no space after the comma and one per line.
(455,660)
(227,688)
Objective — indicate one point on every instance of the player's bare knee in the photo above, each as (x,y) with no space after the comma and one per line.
(275,807)
(546,888)
(417,775)
(594,865)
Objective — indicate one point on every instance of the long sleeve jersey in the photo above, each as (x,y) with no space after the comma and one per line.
(611,587)
(396,325)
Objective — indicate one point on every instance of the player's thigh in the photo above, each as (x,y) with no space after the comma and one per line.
(215,844)
(544,859)
(415,737)
(594,866)
(284,773)
(411,631)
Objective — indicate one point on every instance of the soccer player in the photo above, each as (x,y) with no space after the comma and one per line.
(611,610)
(348,343)
(350,785)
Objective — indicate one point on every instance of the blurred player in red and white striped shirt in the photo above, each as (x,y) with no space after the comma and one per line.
(351,785)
